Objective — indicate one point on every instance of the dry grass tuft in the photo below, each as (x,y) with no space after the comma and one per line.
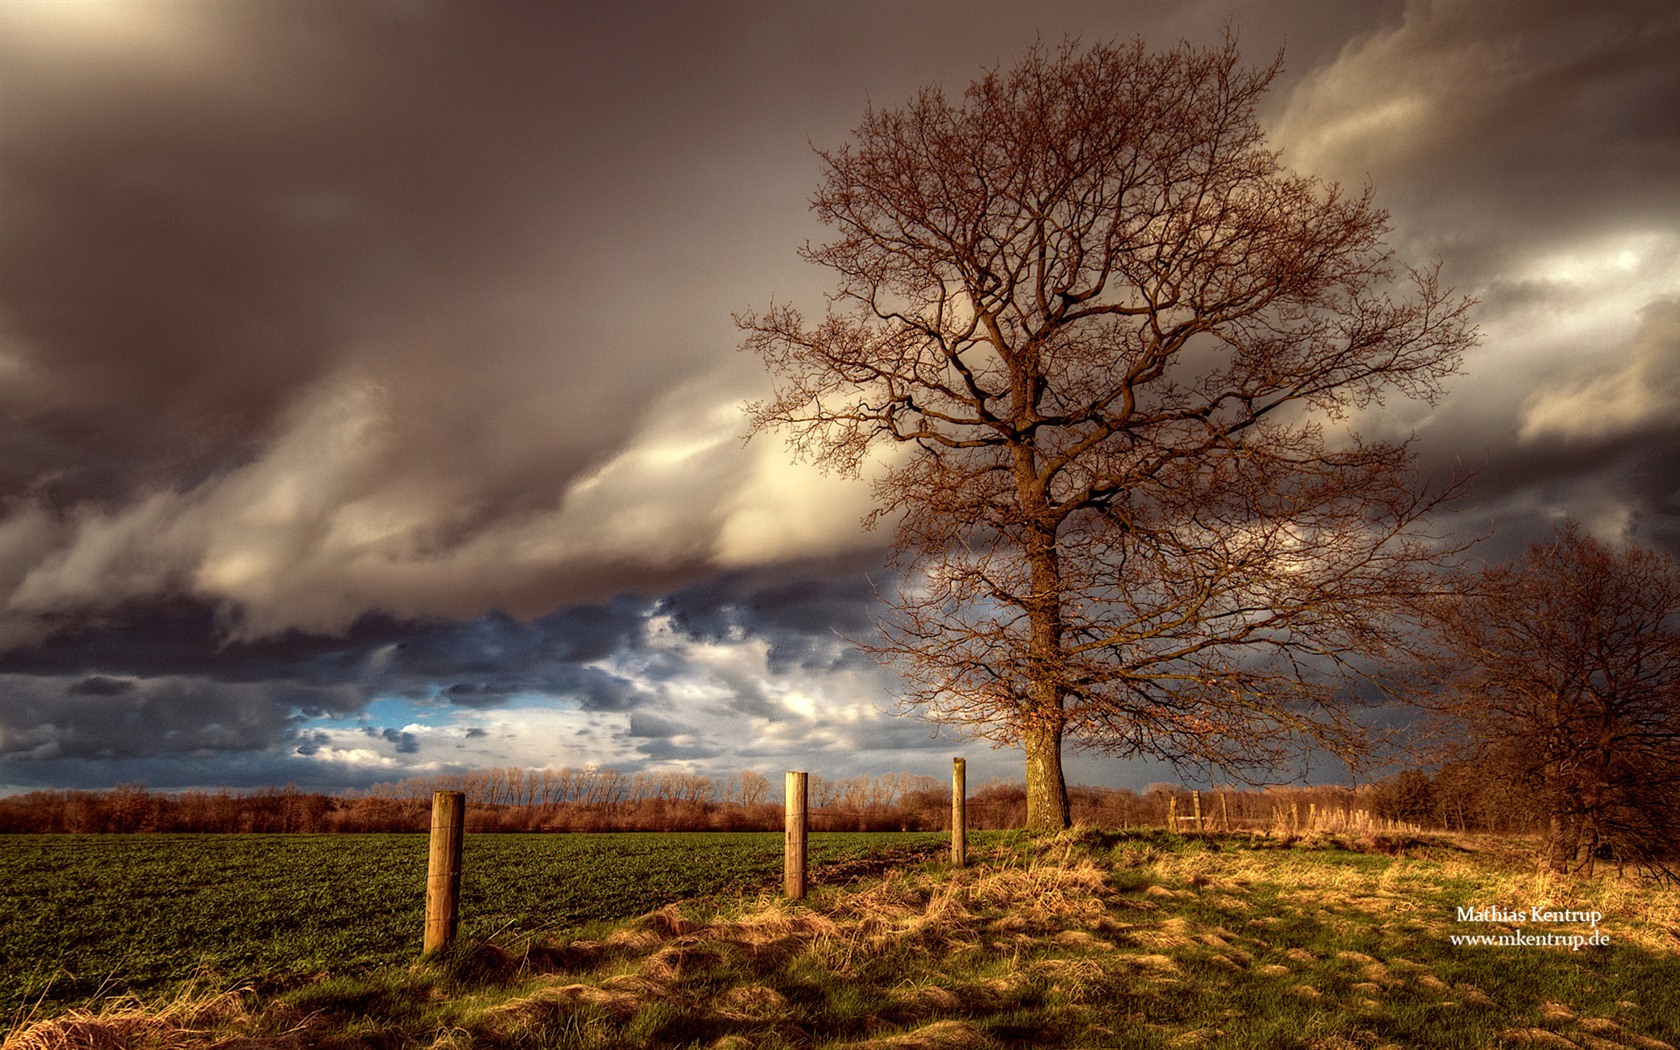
(774,924)
(1610,1030)
(1376,971)
(940,1035)
(549,1006)
(666,922)
(1074,977)
(128,1025)
(753,1003)
(931,997)
(1473,995)
(1434,983)
(633,941)
(680,956)
(1536,1037)
(1158,963)
(1082,940)
(641,987)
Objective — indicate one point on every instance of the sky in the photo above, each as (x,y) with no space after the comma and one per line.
(371,407)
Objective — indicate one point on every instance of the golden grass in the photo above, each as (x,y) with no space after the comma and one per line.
(940,1035)
(131,1025)
(1641,912)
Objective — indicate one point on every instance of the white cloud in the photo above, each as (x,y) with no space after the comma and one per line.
(354,758)
(1617,391)
(110,29)
(1391,93)
(784,510)
(332,519)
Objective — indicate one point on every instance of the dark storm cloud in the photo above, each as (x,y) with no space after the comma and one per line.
(1546,121)
(406,743)
(500,649)
(652,727)
(273,263)
(188,638)
(830,597)
(493,656)
(99,685)
(164,682)
(48,720)
(194,239)
(801,609)
(1535,149)
(664,751)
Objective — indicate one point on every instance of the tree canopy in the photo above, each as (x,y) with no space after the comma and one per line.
(1116,342)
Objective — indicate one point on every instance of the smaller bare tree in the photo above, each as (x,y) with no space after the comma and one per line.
(1562,669)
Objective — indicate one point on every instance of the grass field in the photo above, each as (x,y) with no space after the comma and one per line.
(1090,940)
(114,914)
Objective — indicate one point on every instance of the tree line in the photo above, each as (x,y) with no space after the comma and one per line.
(514,799)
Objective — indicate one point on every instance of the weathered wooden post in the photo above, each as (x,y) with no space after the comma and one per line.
(1224,812)
(793,878)
(959,811)
(1172,812)
(443,870)
(1196,807)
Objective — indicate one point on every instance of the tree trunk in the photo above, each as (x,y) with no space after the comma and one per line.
(1047,797)
(1562,840)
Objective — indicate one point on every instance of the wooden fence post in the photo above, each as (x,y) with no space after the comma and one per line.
(959,811)
(1196,810)
(443,870)
(793,879)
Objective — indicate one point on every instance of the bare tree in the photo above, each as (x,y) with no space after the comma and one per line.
(1108,329)
(1561,671)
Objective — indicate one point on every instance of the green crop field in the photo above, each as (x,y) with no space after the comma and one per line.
(110,914)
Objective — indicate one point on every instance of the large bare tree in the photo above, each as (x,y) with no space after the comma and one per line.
(1560,674)
(1107,329)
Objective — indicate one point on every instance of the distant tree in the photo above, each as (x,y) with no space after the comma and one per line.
(1562,669)
(130,807)
(754,788)
(1108,328)
(1408,796)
